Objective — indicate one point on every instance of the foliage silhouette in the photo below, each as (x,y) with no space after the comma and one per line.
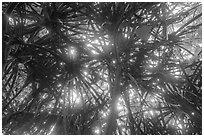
(101,68)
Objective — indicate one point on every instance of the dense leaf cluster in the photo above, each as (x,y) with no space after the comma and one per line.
(101,68)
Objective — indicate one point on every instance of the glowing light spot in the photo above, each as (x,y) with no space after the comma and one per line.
(193,113)
(58,75)
(119,107)
(114,61)
(84,37)
(131,60)
(151,112)
(154,83)
(104,115)
(35,128)
(44,96)
(123,129)
(50,105)
(89,45)
(177,123)
(60,100)
(180,126)
(85,72)
(94,52)
(188,57)
(175,28)
(62,63)
(107,43)
(96,41)
(126,35)
(59,85)
(152,100)
(200,44)
(150,66)
(97,130)
(10,19)
(177,73)
(162,47)
(72,51)
(100,73)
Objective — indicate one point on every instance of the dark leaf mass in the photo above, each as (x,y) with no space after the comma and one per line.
(108,68)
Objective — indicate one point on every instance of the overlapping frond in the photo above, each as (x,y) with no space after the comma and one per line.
(101,68)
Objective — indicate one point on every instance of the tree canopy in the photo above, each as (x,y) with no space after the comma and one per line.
(101,68)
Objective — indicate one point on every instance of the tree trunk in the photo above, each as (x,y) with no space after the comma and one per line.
(112,123)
